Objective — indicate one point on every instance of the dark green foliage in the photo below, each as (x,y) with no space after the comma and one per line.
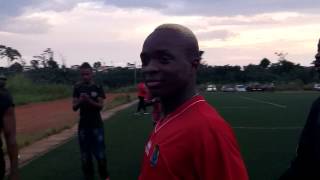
(282,72)
(26,91)
(9,52)
(47,70)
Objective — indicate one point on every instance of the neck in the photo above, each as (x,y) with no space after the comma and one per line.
(169,104)
(87,82)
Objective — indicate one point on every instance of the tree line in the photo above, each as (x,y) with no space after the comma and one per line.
(46,70)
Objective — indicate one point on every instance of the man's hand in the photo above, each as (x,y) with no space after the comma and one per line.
(84,97)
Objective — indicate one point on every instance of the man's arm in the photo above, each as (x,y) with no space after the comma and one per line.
(76,98)
(75,104)
(93,103)
(9,127)
(97,104)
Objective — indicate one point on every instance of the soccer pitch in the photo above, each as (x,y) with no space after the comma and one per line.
(267,126)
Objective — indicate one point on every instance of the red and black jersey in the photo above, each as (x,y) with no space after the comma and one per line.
(142,90)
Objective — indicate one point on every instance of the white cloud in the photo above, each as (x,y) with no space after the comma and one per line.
(97,31)
(25,25)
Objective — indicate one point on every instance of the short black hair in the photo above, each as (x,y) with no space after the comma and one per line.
(85,65)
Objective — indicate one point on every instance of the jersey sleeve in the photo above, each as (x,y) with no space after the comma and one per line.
(8,101)
(218,156)
(76,93)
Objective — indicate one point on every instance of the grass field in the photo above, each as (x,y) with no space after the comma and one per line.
(25,91)
(267,126)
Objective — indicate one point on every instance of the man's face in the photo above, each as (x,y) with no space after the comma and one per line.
(86,74)
(165,67)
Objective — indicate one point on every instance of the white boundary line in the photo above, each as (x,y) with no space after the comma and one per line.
(268,128)
(265,102)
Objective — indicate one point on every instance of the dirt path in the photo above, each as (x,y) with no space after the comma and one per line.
(39,117)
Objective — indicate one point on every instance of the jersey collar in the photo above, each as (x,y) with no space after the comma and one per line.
(179,111)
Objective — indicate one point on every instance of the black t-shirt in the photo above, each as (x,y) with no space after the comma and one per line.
(307,161)
(5,103)
(89,115)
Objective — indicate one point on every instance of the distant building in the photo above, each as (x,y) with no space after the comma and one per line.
(27,68)
(104,68)
(75,67)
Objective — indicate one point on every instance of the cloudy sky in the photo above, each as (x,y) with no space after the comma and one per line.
(112,31)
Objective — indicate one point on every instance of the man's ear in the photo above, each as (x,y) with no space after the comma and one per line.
(195,63)
(200,54)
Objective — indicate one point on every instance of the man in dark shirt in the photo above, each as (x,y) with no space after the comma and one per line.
(306,164)
(88,97)
(8,127)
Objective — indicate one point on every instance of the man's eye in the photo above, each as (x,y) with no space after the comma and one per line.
(165,59)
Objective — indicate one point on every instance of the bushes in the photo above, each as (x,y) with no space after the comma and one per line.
(25,91)
(296,85)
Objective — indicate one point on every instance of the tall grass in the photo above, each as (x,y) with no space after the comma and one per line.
(25,91)
(125,89)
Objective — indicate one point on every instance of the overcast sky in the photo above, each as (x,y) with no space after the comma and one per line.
(112,31)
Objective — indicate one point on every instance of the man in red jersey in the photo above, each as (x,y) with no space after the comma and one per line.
(191,141)
(142,95)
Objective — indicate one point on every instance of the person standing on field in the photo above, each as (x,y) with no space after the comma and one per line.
(8,128)
(142,96)
(191,141)
(306,164)
(88,97)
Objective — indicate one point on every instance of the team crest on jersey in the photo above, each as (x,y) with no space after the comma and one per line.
(94,94)
(154,156)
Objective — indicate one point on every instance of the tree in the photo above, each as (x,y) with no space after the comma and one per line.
(46,59)
(52,64)
(287,65)
(40,59)
(264,63)
(10,53)
(97,65)
(16,67)
(34,63)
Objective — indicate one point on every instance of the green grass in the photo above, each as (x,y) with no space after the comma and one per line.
(267,152)
(125,89)
(121,99)
(125,136)
(25,91)
(27,139)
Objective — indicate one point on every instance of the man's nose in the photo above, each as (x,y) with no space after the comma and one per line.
(151,67)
